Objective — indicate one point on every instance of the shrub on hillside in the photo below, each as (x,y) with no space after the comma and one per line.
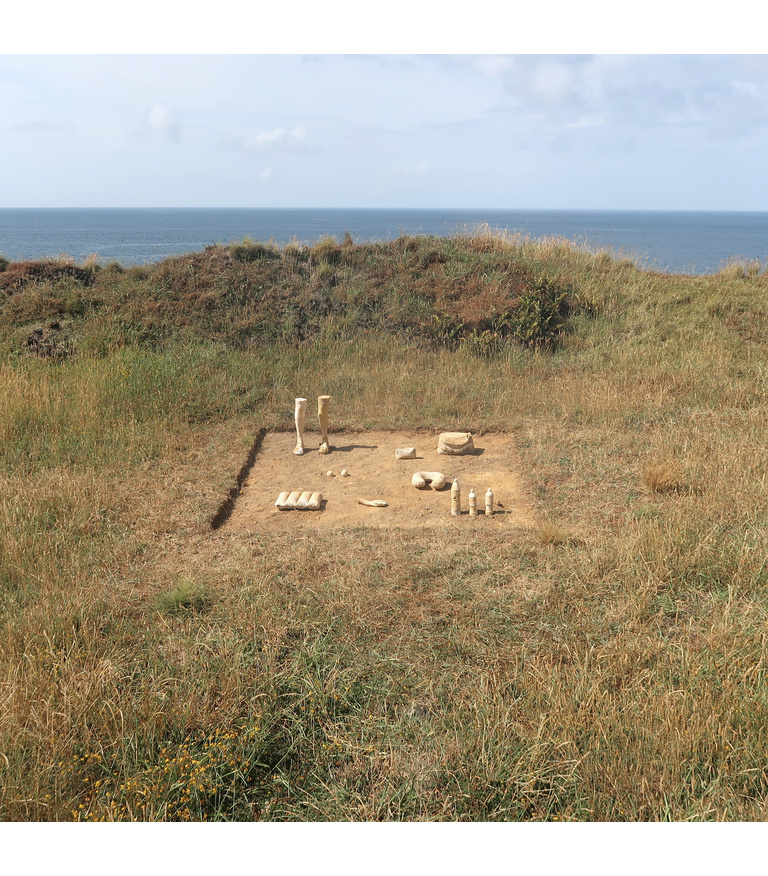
(20,274)
(251,250)
(326,251)
(540,316)
(295,251)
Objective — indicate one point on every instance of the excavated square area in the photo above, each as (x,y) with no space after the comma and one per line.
(375,473)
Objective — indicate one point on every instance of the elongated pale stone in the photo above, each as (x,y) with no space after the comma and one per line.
(455,443)
(455,499)
(299,417)
(315,500)
(281,499)
(291,501)
(405,453)
(489,501)
(322,415)
(436,479)
(373,503)
(472,502)
(301,502)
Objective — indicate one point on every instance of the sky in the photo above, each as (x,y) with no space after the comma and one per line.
(184,122)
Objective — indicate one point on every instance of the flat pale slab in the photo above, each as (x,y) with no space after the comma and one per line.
(375,473)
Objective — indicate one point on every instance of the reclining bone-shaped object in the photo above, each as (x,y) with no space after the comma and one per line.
(435,479)
(373,503)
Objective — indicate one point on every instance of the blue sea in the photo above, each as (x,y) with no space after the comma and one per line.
(669,241)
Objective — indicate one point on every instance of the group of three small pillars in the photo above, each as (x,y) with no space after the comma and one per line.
(472,499)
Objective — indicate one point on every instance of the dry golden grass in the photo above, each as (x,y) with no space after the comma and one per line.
(664,476)
(609,665)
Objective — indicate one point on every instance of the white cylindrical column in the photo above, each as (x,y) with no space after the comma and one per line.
(489,501)
(455,499)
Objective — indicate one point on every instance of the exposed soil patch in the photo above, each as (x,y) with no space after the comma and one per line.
(375,473)
(51,342)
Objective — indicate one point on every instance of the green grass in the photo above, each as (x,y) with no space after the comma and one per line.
(608,664)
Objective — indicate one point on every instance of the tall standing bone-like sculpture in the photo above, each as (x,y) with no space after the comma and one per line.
(300,416)
(322,416)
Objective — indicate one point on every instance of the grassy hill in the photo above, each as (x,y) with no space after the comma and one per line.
(609,665)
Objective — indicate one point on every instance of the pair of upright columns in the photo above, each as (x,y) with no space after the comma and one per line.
(322,415)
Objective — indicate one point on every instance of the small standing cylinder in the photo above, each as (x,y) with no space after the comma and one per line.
(455,499)
(489,501)
(472,502)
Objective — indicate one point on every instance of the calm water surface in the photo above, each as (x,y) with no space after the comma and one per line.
(678,242)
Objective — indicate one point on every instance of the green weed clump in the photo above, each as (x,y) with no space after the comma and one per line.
(186,596)
(251,250)
(541,314)
(326,251)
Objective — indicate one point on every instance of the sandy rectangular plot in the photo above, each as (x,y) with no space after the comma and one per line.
(375,473)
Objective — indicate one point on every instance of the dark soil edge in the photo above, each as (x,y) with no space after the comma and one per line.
(226,508)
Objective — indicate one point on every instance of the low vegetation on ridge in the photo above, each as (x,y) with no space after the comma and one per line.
(447,291)
(609,664)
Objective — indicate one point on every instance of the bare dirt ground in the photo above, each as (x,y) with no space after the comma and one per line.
(375,473)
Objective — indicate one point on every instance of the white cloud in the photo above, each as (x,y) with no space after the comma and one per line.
(163,124)
(276,140)
(43,126)
(595,120)
(552,82)
(490,65)
(279,138)
(652,95)
(411,170)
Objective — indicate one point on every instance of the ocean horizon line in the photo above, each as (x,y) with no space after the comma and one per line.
(675,241)
(416,209)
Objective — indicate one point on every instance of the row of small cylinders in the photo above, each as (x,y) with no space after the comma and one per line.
(456,500)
